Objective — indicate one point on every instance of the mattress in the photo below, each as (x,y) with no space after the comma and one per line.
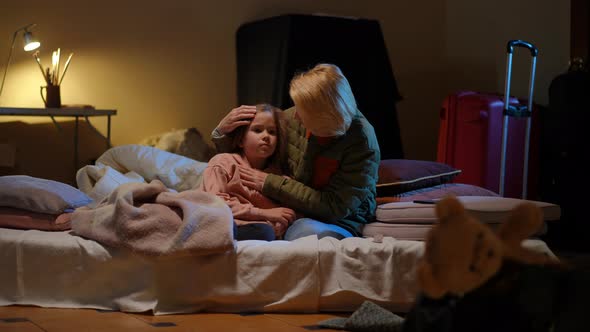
(59,269)
(405,231)
(412,220)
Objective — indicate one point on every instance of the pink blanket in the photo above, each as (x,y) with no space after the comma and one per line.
(150,220)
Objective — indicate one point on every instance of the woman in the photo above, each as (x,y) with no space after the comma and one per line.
(333,157)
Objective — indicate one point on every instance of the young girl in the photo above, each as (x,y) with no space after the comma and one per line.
(260,146)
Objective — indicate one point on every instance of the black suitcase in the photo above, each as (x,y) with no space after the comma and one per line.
(272,50)
(564,147)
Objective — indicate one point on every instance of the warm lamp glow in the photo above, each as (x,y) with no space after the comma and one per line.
(31,43)
(32,46)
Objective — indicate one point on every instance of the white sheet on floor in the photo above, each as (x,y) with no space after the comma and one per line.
(57,269)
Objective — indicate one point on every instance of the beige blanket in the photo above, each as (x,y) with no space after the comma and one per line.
(150,220)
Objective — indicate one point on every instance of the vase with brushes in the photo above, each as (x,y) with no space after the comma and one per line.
(53,78)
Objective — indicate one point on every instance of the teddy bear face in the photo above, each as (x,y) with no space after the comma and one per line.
(464,255)
(461,253)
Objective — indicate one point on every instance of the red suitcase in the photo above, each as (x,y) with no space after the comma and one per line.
(476,137)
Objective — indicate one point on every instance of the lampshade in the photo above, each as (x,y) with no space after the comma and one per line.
(30,42)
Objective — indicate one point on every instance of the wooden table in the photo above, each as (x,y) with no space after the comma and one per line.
(65,112)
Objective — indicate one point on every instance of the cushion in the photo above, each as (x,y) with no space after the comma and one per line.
(487,209)
(40,195)
(439,191)
(23,219)
(401,175)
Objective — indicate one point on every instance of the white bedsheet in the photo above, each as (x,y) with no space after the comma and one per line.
(57,269)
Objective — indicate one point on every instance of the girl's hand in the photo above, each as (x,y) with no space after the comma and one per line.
(252,178)
(237,117)
(283,216)
(280,229)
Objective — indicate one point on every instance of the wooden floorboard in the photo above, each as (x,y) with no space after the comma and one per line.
(35,319)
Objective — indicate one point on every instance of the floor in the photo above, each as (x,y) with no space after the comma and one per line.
(34,319)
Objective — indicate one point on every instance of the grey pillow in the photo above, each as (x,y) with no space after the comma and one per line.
(40,195)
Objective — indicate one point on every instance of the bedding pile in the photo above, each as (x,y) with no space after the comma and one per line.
(142,240)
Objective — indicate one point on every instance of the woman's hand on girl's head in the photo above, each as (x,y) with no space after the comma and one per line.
(239,116)
(252,178)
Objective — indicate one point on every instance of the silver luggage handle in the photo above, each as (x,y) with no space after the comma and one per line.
(511,110)
(521,43)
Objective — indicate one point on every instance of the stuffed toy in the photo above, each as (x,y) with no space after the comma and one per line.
(462,253)
(185,142)
(473,278)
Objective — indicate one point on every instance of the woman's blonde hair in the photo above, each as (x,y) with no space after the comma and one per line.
(278,161)
(323,95)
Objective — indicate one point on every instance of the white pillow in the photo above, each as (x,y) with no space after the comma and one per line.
(175,171)
(99,182)
(40,195)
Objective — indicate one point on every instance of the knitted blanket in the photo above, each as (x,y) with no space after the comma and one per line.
(150,220)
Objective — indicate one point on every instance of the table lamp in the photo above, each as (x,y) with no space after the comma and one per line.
(30,44)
